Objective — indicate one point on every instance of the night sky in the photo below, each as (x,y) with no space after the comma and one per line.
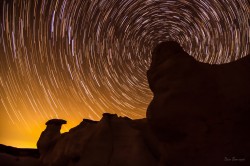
(75,59)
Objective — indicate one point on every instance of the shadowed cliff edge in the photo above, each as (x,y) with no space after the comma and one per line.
(200,112)
(199,116)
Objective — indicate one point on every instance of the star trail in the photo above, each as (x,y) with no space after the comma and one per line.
(75,59)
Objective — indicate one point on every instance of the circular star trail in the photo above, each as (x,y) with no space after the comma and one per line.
(76,59)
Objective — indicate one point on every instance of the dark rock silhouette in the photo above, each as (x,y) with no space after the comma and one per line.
(200,112)
(198,116)
(111,141)
(50,135)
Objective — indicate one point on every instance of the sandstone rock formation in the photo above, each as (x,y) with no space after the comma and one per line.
(112,141)
(199,111)
(50,136)
(199,116)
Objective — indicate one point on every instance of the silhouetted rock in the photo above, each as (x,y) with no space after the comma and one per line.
(50,136)
(199,111)
(56,122)
(111,141)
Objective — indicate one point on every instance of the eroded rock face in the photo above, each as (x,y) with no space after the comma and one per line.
(199,111)
(199,116)
(112,141)
(50,136)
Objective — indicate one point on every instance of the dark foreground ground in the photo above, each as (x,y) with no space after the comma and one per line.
(11,156)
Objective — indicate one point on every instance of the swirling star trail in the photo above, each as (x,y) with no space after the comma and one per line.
(76,59)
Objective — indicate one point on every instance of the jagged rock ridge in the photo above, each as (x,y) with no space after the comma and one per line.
(111,141)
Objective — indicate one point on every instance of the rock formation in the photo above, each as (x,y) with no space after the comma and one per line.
(50,136)
(199,111)
(112,141)
(198,117)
